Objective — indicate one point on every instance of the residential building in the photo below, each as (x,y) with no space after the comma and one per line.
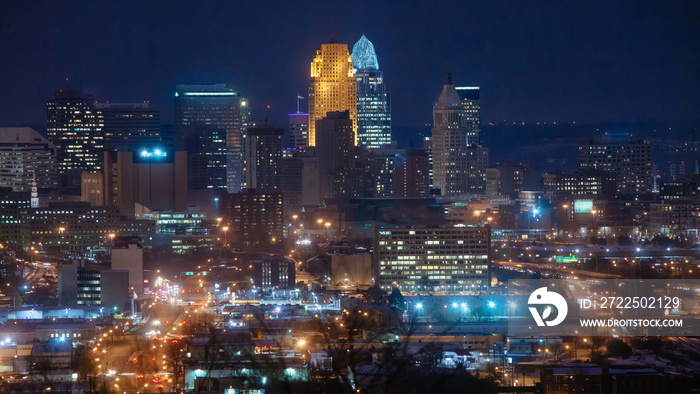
(254,218)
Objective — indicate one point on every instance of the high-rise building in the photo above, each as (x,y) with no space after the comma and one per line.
(471,112)
(332,86)
(155,178)
(263,157)
(14,218)
(629,159)
(589,184)
(373,100)
(448,259)
(459,163)
(412,175)
(130,126)
(127,255)
(74,126)
(340,174)
(255,218)
(26,156)
(300,183)
(75,228)
(298,130)
(383,167)
(209,123)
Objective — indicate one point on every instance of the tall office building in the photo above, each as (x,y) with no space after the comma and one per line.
(26,156)
(209,123)
(629,159)
(469,95)
(255,218)
(155,178)
(412,175)
(130,126)
(298,130)
(340,174)
(373,100)
(448,259)
(263,157)
(459,163)
(74,126)
(332,86)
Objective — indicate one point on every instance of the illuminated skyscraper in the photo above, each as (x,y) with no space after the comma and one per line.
(74,126)
(209,121)
(263,157)
(332,86)
(472,112)
(459,163)
(298,130)
(130,126)
(373,101)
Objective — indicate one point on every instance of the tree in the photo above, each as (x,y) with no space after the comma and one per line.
(376,295)
(618,348)
(396,299)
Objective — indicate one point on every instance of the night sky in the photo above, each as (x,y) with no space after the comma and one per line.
(535,61)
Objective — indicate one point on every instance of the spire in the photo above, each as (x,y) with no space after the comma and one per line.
(449,96)
(35,192)
(363,55)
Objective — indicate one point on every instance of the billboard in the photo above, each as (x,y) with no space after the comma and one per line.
(583,206)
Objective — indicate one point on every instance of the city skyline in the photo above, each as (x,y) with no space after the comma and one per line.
(583,64)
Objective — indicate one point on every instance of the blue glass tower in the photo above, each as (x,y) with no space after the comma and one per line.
(373,100)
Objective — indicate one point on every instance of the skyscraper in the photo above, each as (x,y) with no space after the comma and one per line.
(412,175)
(298,130)
(373,100)
(26,156)
(472,112)
(130,126)
(209,121)
(459,163)
(74,126)
(263,157)
(332,86)
(340,174)
(629,159)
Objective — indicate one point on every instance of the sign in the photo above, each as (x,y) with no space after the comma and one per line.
(567,259)
(583,206)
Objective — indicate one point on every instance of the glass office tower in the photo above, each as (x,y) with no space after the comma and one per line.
(373,100)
